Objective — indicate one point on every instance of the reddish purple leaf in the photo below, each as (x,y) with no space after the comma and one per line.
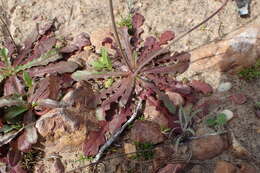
(13,157)
(119,119)
(137,20)
(28,43)
(17,169)
(107,40)
(78,43)
(13,85)
(94,140)
(23,144)
(8,43)
(60,67)
(2,64)
(201,86)
(58,166)
(44,45)
(238,98)
(166,36)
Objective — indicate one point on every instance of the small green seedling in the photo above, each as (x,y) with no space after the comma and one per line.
(218,121)
(84,158)
(104,62)
(145,151)
(27,79)
(126,21)
(251,72)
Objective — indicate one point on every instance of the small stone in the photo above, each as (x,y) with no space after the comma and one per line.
(207,147)
(176,98)
(237,149)
(238,98)
(246,168)
(223,87)
(151,114)
(171,168)
(225,167)
(229,114)
(146,132)
(130,149)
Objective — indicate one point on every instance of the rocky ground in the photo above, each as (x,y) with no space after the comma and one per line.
(209,154)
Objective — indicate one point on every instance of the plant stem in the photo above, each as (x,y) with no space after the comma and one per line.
(116,34)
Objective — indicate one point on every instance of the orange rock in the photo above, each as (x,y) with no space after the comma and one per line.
(207,147)
(225,167)
(238,50)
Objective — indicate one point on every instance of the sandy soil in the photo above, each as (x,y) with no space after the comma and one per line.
(74,17)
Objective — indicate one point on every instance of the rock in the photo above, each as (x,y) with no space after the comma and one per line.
(129,148)
(98,36)
(171,168)
(229,114)
(146,132)
(236,51)
(207,147)
(62,129)
(223,87)
(237,149)
(151,114)
(176,98)
(196,169)
(246,168)
(238,98)
(225,167)
(162,151)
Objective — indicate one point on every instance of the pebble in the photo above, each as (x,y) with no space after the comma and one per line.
(229,114)
(223,87)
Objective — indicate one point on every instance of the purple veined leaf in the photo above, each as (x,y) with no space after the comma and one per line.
(78,43)
(175,68)
(13,85)
(27,139)
(95,139)
(2,64)
(6,138)
(45,59)
(17,169)
(8,43)
(201,86)
(43,46)
(180,88)
(150,57)
(166,36)
(13,157)
(127,95)
(125,41)
(40,91)
(11,101)
(137,20)
(118,93)
(58,166)
(60,67)
(87,75)
(106,92)
(28,43)
(119,119)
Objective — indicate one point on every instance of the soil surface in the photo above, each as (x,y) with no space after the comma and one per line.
(74,17)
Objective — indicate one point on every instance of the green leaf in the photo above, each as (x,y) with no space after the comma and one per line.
(97,65)
(9,128)
(51,56)
(27,79)
(11,101)
(211,121)
(14,111)
(4,55)
(108,83)
(221,119)
(105,59)
(4,52)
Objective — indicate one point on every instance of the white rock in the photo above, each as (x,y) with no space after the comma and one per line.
(229,114)
(223,87)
